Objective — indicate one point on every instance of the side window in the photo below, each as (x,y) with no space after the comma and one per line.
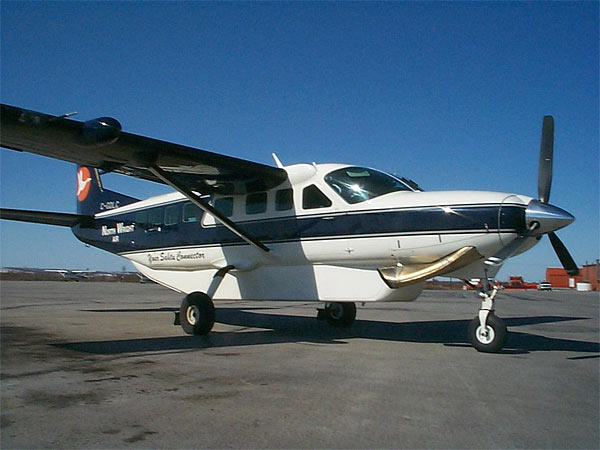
(141,219)
(191,213)
(224,205)
(155,217)
(171,215)
(312,198)
(284,200)
(256,203)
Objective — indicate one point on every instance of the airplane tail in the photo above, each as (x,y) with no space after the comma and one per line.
(92,198)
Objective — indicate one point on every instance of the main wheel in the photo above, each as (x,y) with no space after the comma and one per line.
(197,313)
(491,338)
(341,314)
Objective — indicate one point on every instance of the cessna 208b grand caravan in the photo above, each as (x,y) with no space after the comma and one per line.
(236,229)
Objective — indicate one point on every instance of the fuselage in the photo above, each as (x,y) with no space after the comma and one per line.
(327,230)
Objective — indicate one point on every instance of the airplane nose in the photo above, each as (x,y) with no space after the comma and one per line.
(542,218)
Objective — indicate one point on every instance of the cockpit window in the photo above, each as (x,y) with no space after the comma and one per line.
(358,184)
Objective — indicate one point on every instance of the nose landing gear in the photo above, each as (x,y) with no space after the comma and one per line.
(487,332)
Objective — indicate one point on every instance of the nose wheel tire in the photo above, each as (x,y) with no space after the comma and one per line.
(197,313)
(488,339)
(341,314)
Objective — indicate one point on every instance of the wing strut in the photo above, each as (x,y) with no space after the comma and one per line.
(206,207)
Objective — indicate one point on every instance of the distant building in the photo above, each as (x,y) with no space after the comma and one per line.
(590,273)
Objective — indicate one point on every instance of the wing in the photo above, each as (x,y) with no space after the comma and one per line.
(102,144)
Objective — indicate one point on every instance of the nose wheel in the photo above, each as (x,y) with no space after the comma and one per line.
(490,337)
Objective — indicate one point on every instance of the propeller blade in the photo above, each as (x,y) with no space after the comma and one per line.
(563,254)
(546,156)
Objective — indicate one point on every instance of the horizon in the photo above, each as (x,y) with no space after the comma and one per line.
(133,270)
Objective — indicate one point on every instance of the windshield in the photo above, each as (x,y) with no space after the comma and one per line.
(358,184)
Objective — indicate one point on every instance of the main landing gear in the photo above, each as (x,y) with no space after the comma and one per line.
(338,314)
(487,332)
(197,312)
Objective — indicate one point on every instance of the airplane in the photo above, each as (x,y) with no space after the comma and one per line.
(72,275)
(332,233)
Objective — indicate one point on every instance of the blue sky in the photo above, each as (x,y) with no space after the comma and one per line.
(449,94)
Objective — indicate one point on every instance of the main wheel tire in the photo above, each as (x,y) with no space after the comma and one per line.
(197,313)
(341,314)
(492,338)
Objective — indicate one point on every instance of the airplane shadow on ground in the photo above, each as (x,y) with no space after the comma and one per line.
(278,328)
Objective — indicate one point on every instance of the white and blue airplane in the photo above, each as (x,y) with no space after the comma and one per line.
(333,233)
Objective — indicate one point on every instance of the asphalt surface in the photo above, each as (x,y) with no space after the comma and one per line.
(100,365)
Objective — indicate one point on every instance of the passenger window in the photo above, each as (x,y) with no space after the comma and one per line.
(141,219)
(155,216)
(224,205)
(284,200)
(191,213)
(256,203)
(171,215)
(312,198)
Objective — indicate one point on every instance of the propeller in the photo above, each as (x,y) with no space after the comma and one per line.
(544,185)
(541,217)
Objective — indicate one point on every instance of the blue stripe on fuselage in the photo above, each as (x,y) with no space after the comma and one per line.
(426,220)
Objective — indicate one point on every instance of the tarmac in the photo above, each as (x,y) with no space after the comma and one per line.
(100,365)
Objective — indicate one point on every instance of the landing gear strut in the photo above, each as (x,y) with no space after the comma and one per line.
(487,332)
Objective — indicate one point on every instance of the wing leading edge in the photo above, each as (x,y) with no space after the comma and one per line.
(101,143)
